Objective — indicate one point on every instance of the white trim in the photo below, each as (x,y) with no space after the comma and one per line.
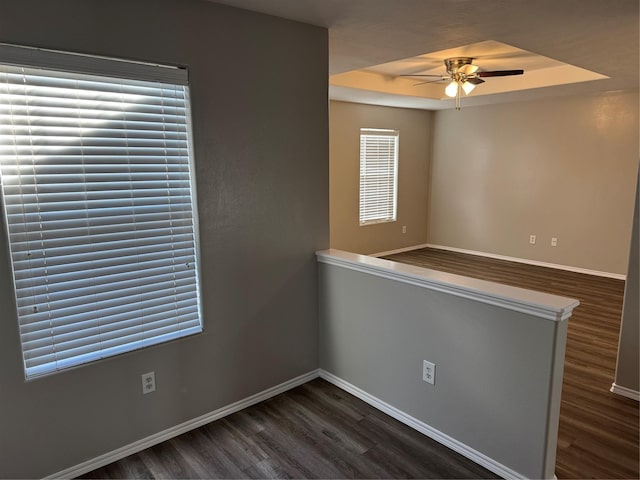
(543,305)
(616,276)
(398,250)
(172,432)
(625,392)
(442,438)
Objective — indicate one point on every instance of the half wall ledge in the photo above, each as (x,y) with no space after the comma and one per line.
(539,304)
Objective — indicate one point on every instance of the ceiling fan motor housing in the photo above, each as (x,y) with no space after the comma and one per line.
(453,64)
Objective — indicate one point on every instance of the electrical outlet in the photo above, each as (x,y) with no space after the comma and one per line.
(148,382)
(404,229)
(429,372)
(554,242)
(532,239)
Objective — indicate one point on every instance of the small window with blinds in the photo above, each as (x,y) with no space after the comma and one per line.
(99,205)
(378,175)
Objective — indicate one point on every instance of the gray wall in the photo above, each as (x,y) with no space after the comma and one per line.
(414,153)
(498,372)
(628,366)
(561,167)
(260,116)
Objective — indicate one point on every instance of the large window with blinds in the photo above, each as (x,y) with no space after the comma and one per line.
(378,175)
(98,198)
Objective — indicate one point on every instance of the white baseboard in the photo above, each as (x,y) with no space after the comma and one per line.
(617,276)
(135,447)
(169,433)
(399,250)
(625,392)
(459,447)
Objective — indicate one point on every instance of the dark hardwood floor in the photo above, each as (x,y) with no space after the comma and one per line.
(313,431)
(598,432)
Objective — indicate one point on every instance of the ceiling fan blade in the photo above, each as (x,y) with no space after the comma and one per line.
(475,80)
(500,73)
(431,81)
(418,75)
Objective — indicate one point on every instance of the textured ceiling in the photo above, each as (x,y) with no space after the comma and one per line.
(601,36)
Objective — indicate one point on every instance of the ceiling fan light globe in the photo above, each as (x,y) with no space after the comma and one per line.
(468,87)
(452,89)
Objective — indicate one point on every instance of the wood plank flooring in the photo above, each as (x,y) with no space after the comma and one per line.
(313,431)
(598,432)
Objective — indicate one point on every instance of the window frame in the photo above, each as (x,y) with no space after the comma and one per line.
(370,196)
(71,65)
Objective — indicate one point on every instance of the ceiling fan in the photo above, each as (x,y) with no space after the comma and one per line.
(463,75)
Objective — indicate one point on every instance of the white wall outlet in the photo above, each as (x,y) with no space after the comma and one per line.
(532,239)
(429,372)
(554,242)
(404,229)
(148,382)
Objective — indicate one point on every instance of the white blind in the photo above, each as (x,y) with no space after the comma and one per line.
(378,175)
(99,207)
